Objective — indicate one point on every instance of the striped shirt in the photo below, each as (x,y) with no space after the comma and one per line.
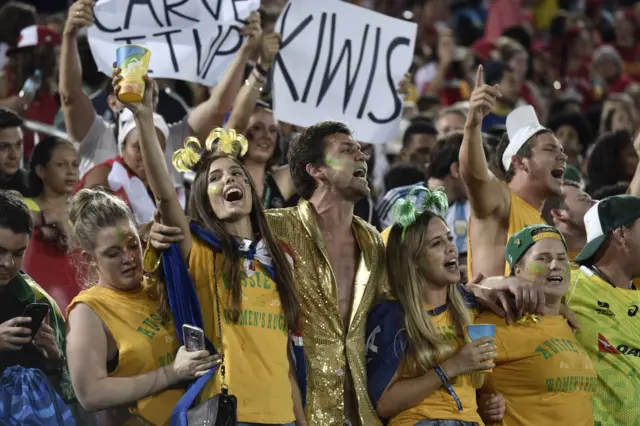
(389,199)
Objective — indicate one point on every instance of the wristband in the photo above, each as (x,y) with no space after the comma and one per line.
(261,70)
(447,385)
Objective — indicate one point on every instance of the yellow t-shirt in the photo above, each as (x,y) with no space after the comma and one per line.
(145,342)
(439,404)
(385,235)
(542,372)
(521,215)
(255,349)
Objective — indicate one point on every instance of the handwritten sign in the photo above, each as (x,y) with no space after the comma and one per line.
(342,62)
(193,40)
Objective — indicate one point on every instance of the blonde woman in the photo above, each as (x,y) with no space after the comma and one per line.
(122,350)
(427,378)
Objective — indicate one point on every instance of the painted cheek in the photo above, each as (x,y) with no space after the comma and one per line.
(123,235)
(337,163)
(214,190)
(535,270)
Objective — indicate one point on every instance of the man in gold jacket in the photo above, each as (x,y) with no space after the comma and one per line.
(339,267)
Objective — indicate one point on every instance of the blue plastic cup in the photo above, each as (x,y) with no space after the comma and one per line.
(478,331)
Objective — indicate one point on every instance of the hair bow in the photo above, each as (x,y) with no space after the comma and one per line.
(406,211)
(185,159)
(219,140)
(227,141)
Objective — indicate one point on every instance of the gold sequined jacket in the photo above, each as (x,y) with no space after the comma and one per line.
(328,351)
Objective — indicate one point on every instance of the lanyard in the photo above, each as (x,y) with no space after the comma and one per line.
(606,279)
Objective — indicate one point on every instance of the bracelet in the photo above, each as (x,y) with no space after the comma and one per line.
(447,385)
(248,83)
(259,77)
(261,70)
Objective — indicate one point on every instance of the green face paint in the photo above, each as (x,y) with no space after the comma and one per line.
(337,163)
(535,270)
(123,234)
(214,189)
(567,269)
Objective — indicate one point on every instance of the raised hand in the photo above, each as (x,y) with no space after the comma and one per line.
(269,48)
(80,16)
(483,99)
(138,108)
(254,31)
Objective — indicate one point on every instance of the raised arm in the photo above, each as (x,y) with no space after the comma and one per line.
(209,114)
(76,105)
(155,165)
(485,191)
(87,348)
(250,92)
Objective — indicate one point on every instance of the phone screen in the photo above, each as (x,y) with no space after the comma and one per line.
(37,312)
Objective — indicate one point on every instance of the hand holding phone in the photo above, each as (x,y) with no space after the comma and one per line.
(37,312)
(14,334)
(193,338)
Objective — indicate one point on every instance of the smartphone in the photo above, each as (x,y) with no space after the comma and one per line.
(193,338)
(37,312)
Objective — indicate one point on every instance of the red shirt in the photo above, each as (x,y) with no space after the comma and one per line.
(120,193)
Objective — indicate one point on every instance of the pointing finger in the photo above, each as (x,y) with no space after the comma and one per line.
(479,76)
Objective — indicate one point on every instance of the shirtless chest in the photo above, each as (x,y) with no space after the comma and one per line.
(343,255)
(488,238)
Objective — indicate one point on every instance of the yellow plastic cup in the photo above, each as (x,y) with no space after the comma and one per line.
(133,61)
(478,331)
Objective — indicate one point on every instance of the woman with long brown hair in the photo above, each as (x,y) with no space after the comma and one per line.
(242,279)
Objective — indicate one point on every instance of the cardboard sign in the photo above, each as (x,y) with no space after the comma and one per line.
(192,40)
(342,62)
